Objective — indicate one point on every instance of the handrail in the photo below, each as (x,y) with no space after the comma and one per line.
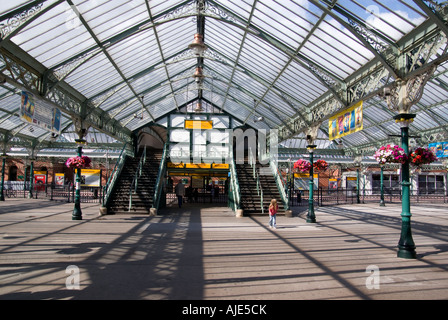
(160,174)
(138,173)
(113,177)
(235,185)
(260,191)
(280,183)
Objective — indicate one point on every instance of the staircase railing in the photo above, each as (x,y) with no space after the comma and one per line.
(160,176)
(234,186)
(260,191)
(107,191)
(281,185)
(138,173)
(256,175)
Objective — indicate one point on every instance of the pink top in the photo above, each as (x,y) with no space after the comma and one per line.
(273,210)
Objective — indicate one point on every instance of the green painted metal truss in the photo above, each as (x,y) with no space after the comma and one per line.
(116,67)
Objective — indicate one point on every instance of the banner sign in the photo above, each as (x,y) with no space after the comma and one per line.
(346,122)
(38,112)
(440,149)
(198,124)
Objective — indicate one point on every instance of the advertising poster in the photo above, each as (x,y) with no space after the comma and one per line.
(59,179)
(440,149)
(90,177)
(38,112)
(40,179)
(346,122)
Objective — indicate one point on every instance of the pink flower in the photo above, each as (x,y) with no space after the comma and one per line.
(78,162)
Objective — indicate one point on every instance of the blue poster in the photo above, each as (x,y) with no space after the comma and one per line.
(440,149)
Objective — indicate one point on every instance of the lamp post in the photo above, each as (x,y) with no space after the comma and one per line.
(357,184)
(30,191)
(311,218)
(382,204)
(406,246)
(2,196)
(77,213)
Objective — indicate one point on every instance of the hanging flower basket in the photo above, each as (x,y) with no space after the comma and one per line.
(78,162)
(302,166)
(320,165)
(390,154)
(422,156)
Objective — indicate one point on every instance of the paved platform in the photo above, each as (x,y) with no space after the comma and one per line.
(209,254)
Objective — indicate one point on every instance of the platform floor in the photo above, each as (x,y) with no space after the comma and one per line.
(209,254)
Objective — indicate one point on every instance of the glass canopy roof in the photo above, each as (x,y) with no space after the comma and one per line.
(118,66)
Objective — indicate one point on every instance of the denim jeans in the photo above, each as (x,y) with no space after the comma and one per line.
(273,220)
(179,200)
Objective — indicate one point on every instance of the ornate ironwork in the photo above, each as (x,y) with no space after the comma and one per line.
(369,36)
(440,9)
(62,71)
(187,9)
(407,93)
(328,107)
(12,23)
(216,11)
(419,56)
(368,84)
(327,79)
(20,72)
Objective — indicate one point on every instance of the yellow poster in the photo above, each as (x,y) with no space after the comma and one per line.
(90,177)
(220,166)
(175,165)
(305,175)
(197,166)
(346,122)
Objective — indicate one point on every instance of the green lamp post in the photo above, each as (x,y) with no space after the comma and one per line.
(30,190)
(357,184)
(382,204)
(77,213)
(311,217)
(2,195)
(406,246)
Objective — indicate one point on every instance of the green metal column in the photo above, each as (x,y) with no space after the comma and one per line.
(2,196)
(406,246)
(77,213)
(30,191)
(311,218)
(357,186)
(382,186)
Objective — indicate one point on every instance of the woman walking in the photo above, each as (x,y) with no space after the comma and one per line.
(273,207)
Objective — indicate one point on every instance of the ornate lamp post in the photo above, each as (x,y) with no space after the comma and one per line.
(400,98)
(2,196)
(77,213)
(406,246)
(30,190)
(357,184)
(311,218)
(357,163)
(382,204)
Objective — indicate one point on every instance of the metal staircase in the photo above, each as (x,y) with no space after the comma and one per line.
(134,188)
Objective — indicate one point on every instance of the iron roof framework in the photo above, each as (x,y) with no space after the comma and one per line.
(294,63)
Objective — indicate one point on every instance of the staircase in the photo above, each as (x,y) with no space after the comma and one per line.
(142,198)
(250,200)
